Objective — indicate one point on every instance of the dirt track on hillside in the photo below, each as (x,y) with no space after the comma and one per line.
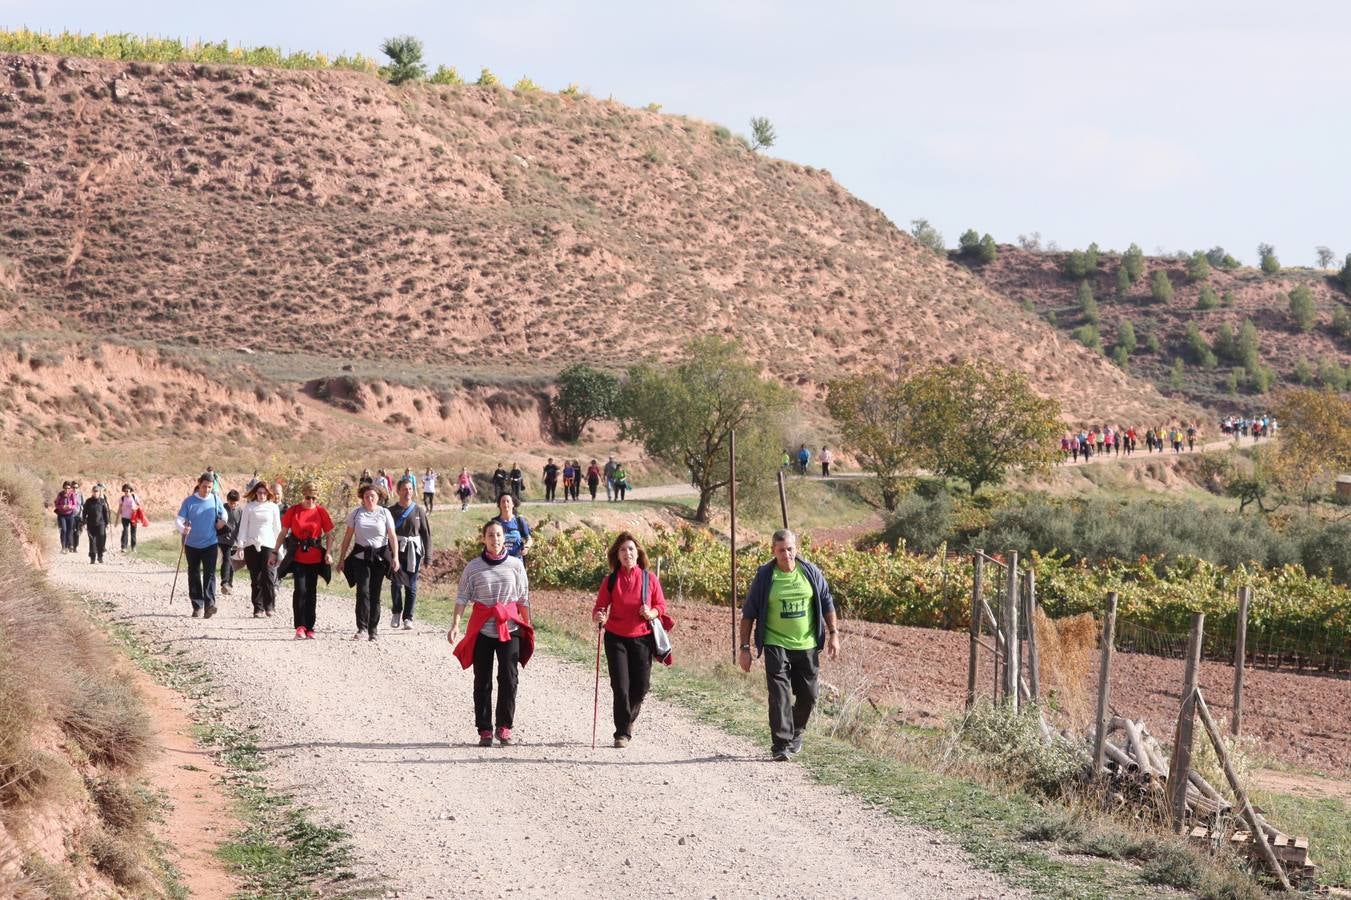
(379,739)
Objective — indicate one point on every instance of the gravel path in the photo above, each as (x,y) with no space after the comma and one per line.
(379,739)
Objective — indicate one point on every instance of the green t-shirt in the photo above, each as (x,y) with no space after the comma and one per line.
(789,618)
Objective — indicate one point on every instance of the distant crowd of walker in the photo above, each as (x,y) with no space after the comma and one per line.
(1089,442)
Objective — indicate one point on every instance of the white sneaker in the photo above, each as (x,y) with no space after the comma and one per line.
(394,620)
(358,636)
(407,624)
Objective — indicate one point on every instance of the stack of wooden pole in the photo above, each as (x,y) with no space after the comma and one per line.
(1136,756)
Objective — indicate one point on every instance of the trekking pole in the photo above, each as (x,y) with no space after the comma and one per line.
(177,565)
(595,707)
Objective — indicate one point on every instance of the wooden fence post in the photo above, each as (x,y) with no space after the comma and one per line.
(783,498)
(1240,656)
(1011,662)
(1104,683)
(1030,615)
(1248,813)
(731,499)
(1180,763)
(976,600)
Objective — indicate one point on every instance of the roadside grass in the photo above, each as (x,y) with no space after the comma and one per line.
(1327,824)
(281,852)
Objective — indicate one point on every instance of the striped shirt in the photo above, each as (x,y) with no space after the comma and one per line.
(489,584)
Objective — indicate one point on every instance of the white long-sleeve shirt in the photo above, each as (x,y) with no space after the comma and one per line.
(259,525)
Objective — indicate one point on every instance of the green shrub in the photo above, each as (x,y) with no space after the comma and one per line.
(1012,744)
(1151,342)
(1125,336)
(1303,372)
(1197,348)
(526,86)
(1161,288)
(573,90)
(487,78)
(928,235)
(1076,265)
(1218,258)
(1123,282)
(975,248)
(405,59)
(1198,267)
(1177,374)
(1133,261)
(1341,322)
(1344,276)
(1332,375)
(446,75)
(1248,346)
(1269,263)
(1088,336)
(154,49)
(921,524)
(1302,312)
(1232,379)
(1225,344)
(1088,306)
(1207,299)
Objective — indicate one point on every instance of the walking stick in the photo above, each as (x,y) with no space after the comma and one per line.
(595,707)
(177,565)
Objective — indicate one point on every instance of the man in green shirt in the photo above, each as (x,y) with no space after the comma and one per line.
(791,614)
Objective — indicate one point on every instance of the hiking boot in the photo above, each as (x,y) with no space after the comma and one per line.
(621,743)
(780,754)
(504,736)
(196,612)
(210,611)
(795,745)
(394,620)
(485,738)
(300,634)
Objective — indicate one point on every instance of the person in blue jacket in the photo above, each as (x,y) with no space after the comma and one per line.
(791,614)
(200,517)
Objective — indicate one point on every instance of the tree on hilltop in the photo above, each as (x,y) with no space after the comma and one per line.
(405,59)
(684,415)
(1267,254)
(975,248)
(928,235)
(1133,261)
(1344,276)
(762,133)
(1220,259)
(1198,267)
(1325,256)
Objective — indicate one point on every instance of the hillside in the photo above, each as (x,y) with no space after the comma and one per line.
(318,218)
(1241,294)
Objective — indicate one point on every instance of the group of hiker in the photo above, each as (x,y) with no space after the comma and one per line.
(76,512)
(614,475)
(1088,442)
(801,461)
(788,615)
(1256,427)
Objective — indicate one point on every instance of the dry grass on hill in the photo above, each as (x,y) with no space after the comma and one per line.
(330,214)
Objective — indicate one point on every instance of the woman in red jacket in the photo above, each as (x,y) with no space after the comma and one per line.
(630,598)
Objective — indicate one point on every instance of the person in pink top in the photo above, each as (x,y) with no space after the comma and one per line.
(126,511)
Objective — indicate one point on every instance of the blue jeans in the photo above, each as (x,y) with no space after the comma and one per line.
(399,604)
(66,522)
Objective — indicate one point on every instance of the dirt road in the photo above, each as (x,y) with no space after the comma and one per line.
(379,739)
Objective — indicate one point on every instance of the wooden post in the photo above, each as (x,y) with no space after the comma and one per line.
(1011,664)
(1104,682)
(1030,616)
(731,498)
(976,602)
(1001,653)
(783,498)
(1181,760)
(1241,796)
(1240,656)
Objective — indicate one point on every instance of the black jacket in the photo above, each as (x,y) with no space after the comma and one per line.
(97,516)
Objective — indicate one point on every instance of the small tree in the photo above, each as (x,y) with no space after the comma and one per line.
(988,251)
(1225,344)
(762,133)
(1177,374)
(975,424)
(1267,254)
(584,396)
(405,59)
(928,235)
(1220,259)
(1207,299)
(1133,261)
(487,79)
(1125,336)
(974,248)
(1302,312)
(1248,346)
(684,415)
(1088,305)
(872,412)
(445,75)
(1123,282)
(1344,276)
(1030,242)
(1088,336)
(1197,348)
(1303,372)
(1076,265)
(1341,322)
(1161,288)
(1315,438)
(1325,256)
(1198,267)
(969,243)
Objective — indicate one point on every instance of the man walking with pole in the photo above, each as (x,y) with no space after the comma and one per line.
(790,611)
(199,519)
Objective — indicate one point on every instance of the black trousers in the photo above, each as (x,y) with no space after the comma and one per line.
(429,499)
(629,660)
(305,596)
(508,656)
(98,542)
(370,580)
(227,567)
(591,486)
(550,487)
(260,576)
(201,576)
(128,531)
(790,676)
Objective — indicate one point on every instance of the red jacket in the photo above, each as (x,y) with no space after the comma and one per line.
(626,603)
(504,613)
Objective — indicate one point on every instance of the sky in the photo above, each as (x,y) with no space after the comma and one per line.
(1176,125)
